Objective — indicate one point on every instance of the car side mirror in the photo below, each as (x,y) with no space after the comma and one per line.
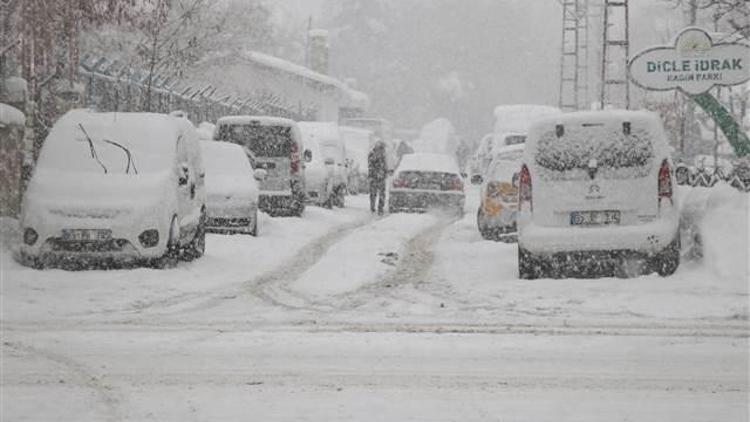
(329,161)
(477,179)
(260,174)
(184,175)
(308,155)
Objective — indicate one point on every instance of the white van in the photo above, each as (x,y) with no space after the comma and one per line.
(596,195)
(326,165)
(110,188)
(273,144)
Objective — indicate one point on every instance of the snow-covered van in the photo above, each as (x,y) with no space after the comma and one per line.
(597,194)
(115,187)
(425,182)
(273,144)
(231,189)
(325,168)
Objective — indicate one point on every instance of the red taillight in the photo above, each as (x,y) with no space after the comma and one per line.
(524,187)
(399,183)
(456,184)
(665,182)
(294,156)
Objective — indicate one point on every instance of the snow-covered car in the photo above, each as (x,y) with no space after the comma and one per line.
(427,181)
(325,168)
(231,189)
(358,144)
(273,144)
(596,194)
(112,188)
(496,216)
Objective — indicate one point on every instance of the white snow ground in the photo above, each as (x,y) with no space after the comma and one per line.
(342,316)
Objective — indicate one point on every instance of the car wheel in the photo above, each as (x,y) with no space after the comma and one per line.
(253,230)
(340,197)
(31,261)
(297,207)
(667,261)
(172,252)
(528,267)
(197,246)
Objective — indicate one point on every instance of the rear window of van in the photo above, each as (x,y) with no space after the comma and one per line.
(262,141)
(617,155)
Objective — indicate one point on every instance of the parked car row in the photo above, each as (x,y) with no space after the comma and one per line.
(120,188)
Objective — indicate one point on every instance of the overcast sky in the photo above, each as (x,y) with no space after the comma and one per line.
(461,60)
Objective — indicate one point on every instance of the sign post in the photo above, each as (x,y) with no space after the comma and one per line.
(694,65)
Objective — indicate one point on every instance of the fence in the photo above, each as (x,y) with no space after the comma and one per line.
(108,86)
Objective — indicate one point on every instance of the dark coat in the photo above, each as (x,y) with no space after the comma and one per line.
(377,168)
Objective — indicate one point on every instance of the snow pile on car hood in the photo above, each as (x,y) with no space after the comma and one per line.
(150,138)
(85,190)
(228,170)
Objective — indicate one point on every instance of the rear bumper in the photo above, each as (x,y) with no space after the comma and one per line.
(423,201)
(503,219)
(283,202)
(648,239)
(222,223)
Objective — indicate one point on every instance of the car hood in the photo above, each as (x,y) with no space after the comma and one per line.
(232,186)
(87,190)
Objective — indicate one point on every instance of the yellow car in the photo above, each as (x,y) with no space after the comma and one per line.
(496,216)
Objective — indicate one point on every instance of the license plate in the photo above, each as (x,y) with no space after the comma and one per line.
(594,218)
(86,235)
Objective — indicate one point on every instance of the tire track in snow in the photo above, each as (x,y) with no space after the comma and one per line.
(306,257)
(414,268)
(84,377)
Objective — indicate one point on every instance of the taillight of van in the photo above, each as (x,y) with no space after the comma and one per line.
(665,183)
(295,158)
(524,188)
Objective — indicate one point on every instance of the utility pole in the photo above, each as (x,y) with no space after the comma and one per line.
(615,86)
(574,55)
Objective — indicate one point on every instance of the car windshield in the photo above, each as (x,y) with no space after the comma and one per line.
(125,146)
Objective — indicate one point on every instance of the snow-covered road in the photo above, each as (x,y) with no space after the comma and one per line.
(344,316)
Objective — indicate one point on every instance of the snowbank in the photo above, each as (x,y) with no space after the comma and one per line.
(725,232)
(438,136)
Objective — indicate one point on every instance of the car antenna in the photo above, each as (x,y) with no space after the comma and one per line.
(92,149)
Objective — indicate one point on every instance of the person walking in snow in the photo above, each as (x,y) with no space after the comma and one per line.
(376,174)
